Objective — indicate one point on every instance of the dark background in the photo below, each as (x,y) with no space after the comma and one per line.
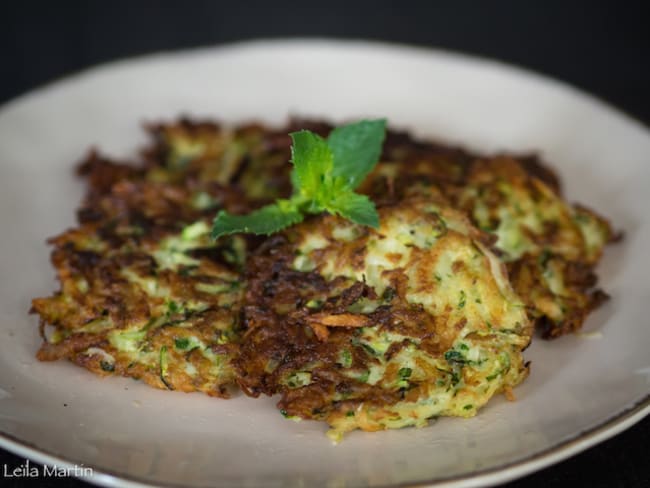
(599,47)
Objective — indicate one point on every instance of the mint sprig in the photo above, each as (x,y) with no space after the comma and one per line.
(325,174)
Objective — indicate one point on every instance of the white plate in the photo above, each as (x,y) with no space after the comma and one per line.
(581,390)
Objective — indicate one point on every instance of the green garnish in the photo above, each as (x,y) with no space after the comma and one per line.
(345,358)
(455,357)
(324,176)
(314,304)
(461,300)
(369,349)
(299,379)
(389,294)
(172,307)
(404,373)
(363,377)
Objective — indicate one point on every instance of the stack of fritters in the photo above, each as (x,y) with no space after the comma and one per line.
(362,328)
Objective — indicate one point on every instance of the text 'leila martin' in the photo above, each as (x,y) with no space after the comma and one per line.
(28,470)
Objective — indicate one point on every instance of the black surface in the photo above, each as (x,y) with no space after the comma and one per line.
(599,47)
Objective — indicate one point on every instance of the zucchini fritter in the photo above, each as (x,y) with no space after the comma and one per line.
(381,329)
(144,291)
(160,309)
(551,248)
(250,159)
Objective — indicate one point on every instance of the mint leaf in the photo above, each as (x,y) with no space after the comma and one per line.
(355,207)
(266,220)
(356,148)
(312,162)
(324,176)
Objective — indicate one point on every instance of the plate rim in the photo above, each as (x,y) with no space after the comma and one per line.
(608,428)
(494,62)
(498,474)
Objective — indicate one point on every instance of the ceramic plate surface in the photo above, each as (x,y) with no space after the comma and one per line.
(582,389)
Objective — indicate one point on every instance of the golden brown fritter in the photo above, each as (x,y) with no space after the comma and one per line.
(377,329)
(144,291)
(551,248)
